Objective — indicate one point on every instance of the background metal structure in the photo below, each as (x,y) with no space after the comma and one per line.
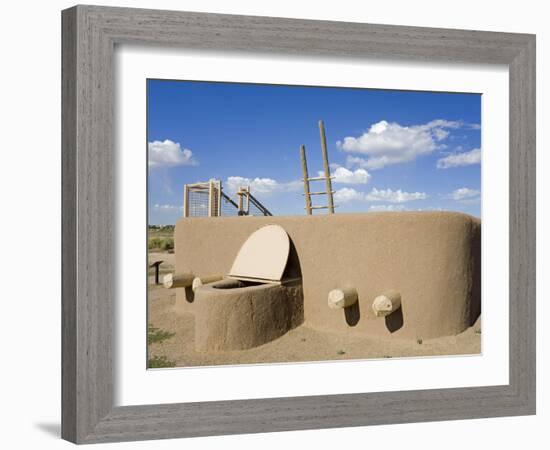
(208,199)
(90,34)
(202,199)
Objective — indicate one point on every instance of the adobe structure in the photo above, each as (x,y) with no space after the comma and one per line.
(411,275)
(249,280)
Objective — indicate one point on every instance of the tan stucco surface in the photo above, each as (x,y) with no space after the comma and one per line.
(431,258)
(235,318)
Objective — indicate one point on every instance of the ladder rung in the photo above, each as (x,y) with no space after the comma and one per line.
(319,193)
(321,207)
(318,178)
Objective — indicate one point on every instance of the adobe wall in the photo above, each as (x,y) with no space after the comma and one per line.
(237,319)
(431,258)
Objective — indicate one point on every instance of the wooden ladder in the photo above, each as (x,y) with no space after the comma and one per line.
(327,177)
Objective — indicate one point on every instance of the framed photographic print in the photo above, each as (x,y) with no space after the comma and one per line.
(278,224)
(339,283)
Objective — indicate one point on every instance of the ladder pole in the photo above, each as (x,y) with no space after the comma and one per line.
(326,166)
(185,200)
(306,180)
(210,199)
(219,198)
(240,195)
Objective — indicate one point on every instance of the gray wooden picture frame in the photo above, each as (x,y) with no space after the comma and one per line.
(90,34)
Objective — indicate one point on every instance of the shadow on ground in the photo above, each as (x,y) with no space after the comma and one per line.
(53,429)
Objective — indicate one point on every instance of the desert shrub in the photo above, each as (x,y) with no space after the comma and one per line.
(160,243)
(155,243)
(158,362)
(167,244)
(157,335)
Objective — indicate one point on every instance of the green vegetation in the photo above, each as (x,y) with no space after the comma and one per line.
(340,352)
(156,335)
(159,362)
(162,228)
(165,244)
(161,238)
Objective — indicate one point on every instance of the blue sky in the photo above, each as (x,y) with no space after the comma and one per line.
(389,150)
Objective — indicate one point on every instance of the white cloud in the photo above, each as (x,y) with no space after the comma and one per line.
(167,207)
(168,153)
(387,208)
(346,195)
(346,176)
(256,184)
(441,123)
(356,161)
(440,134)
(390,143)
(261,185)
(399,196)
(460,159)
(463,194)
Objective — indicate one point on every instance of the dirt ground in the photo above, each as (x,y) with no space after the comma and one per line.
(167,265)
(175,344)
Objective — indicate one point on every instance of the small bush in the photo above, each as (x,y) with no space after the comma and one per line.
(155,243)
(159,362)
(157,335)
(167,244)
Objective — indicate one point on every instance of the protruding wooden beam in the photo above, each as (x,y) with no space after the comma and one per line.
(199,281)
(172,281)
(386,303)
(342,298)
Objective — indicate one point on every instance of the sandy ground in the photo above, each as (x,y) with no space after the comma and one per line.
(167,265)
(300,344)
